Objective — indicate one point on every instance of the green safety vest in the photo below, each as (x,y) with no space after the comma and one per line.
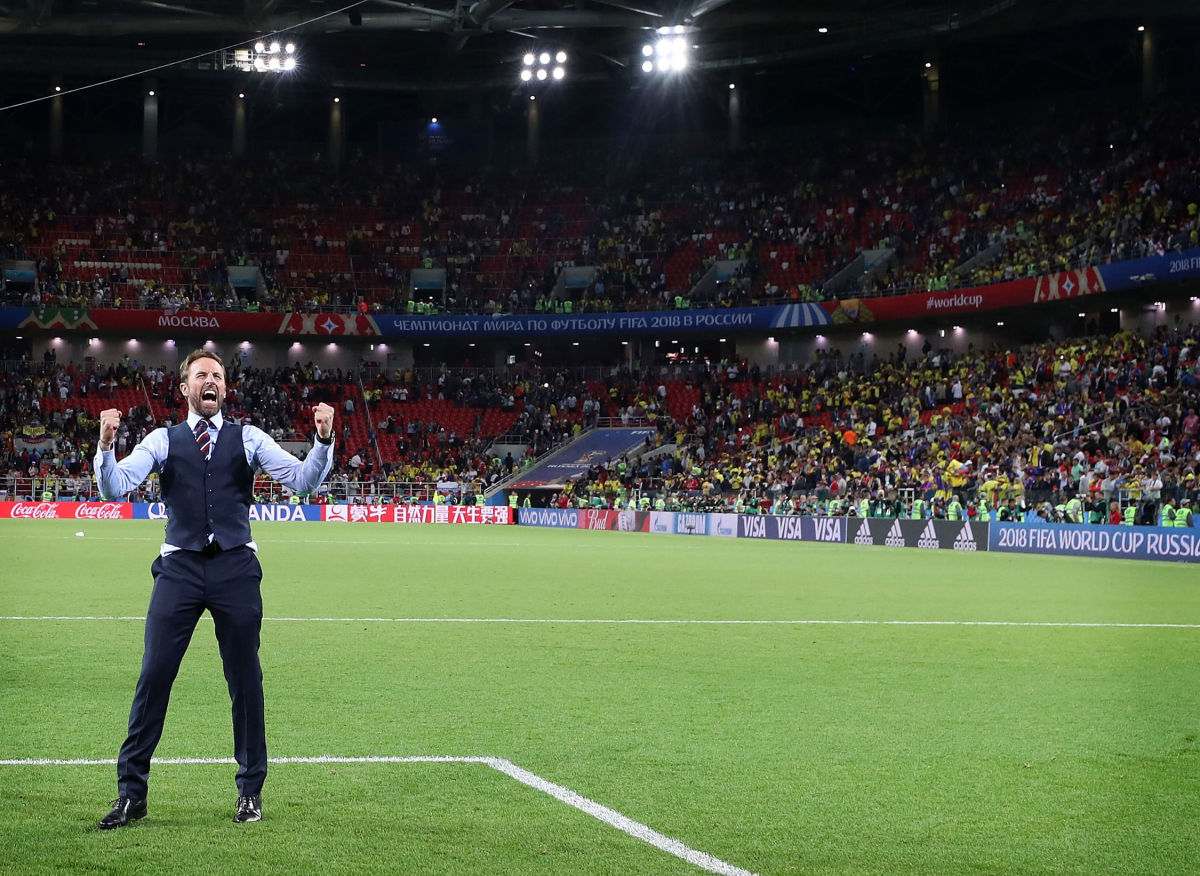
(1127,517)
(1183,518)
(985,513)
(918,509)
(512,500)
(1166,517)
(864,507)
(480,499)
(47,495)
(954,512)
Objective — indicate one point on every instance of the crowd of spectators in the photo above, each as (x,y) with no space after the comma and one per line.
(1097,419)
(1103,419)
(971,208)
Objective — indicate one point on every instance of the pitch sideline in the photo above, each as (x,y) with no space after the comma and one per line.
(643,621)
(611,817)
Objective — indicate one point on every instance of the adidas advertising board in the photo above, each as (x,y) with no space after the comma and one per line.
(959,535)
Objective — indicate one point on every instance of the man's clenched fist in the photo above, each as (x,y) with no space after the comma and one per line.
(109,421)
(323,417)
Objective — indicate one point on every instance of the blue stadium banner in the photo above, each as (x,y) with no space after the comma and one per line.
(1153,269)
(1117,542)
(293,513)
(762,318)
(11,317)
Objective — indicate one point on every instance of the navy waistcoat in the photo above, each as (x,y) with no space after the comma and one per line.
(203,497)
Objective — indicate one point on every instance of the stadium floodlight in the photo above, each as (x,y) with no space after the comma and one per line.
(536,65)
(822,30)
(264,57)
(273,57)
(670,54)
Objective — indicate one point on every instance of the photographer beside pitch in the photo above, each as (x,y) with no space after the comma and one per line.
(208,561)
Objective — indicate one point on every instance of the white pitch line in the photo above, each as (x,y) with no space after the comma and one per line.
(644,621)
(621,822)
(611,817)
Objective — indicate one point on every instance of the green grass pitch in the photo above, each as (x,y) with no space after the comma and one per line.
(1063,740)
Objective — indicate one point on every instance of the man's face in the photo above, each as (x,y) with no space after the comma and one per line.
(204,387)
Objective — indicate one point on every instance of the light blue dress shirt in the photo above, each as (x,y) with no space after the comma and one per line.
(115,479)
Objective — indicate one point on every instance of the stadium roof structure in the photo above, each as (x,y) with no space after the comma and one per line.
(472,44)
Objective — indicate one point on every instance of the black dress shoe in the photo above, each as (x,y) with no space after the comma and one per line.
(124,810)
(248,809)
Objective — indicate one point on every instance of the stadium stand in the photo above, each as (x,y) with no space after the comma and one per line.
(971,209)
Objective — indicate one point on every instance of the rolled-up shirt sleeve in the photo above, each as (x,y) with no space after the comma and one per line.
(115,479)
(298,476)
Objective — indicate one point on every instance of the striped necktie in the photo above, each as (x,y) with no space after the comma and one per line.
(203,441)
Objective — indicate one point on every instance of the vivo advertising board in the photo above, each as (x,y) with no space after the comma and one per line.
(1118,542)
(559,518)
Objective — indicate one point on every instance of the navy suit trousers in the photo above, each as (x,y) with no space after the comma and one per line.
(186,583)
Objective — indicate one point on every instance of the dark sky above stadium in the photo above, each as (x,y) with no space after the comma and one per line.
(794,59)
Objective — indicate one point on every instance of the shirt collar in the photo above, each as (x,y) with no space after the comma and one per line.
(193,418)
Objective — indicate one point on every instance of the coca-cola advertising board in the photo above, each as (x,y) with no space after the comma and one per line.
(66,510)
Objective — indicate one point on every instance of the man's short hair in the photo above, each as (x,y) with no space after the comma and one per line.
(186,365)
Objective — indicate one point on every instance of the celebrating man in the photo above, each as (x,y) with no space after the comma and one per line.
(206,469)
